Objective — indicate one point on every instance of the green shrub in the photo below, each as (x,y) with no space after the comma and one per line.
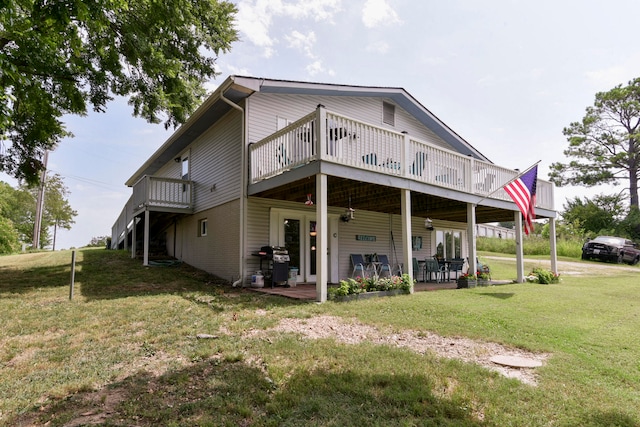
(371,284)
(542,276)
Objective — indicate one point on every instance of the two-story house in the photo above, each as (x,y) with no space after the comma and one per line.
(325,171)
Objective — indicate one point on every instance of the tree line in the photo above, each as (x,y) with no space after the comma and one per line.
(18,210)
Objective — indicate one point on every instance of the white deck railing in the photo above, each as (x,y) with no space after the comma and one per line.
(360,145)
(158,192)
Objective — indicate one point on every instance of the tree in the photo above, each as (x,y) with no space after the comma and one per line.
(99,241)
(58,57)
(606,143)
(9,241)
(19,208)
(600,215)
(57,211)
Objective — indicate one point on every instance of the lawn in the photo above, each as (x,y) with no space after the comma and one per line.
(125,350)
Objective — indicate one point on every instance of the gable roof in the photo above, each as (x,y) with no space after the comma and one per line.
(237,88)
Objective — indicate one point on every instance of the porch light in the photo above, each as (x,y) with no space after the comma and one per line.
(348,215)
(428,224)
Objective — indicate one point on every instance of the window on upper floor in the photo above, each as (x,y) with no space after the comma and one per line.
(185,168)
(388,113)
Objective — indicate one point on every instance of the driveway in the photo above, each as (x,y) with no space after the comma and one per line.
(575,268)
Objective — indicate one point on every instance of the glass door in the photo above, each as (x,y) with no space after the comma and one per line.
(292,242)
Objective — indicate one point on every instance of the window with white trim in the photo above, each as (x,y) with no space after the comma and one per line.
(449,244)
(388,113)
(202,227)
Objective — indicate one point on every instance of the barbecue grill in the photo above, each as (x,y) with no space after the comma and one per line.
(277,259)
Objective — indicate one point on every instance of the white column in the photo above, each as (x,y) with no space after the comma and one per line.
(322,238)
(471,238)
(517,217)
(552,244)
(407,250)
(147,214)
(133,238)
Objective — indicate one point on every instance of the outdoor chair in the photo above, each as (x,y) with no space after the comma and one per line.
(432,268)
(384,267)
(443,267)
(360,268)
(416,269)
(455,266)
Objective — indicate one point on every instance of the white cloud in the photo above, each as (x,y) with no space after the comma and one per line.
(316,67)
(302,42)
(378,12)
(378,47)
(608,78)
(253,22)
(255,18)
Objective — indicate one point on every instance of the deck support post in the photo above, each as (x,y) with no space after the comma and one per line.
(407,250)
(322,239)
(552,245)
(147,214)
(471,238)
(517,217)
(133,237)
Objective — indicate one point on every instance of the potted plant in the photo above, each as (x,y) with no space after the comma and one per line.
(484,278)
(467,280)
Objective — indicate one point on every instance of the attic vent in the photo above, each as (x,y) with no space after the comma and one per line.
(388,113)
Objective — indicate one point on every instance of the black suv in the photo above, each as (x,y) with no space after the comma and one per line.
(614,249)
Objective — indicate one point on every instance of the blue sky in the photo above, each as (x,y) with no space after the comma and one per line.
(506,75)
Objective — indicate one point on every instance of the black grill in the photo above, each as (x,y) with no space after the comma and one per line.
(277,269)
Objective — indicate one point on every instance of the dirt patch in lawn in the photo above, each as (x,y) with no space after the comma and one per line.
(465,349)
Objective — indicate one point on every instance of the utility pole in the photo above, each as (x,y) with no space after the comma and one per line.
(40,205)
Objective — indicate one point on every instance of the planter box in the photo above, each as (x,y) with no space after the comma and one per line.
(466,283)
(483,282)
(367,295)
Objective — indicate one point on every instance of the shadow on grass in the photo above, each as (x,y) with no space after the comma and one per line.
(107,274)
(113,274)
(215,392)
(499,295)
(24,281)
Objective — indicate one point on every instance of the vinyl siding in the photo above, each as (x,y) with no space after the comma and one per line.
(217,252)
(386,228)
(214,160)
(264,110)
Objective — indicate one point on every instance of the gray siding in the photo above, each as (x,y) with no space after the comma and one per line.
(386,228)
(217,252)
(214,163)
(265,108)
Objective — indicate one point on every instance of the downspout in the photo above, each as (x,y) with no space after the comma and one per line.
(243,189)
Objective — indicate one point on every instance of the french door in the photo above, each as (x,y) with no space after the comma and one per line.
(297,232)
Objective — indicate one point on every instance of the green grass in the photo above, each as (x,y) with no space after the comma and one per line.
(124,352)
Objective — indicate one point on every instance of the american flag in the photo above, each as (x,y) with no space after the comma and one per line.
(523,192)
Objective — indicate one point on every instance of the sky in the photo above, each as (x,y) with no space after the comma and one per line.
(506,75)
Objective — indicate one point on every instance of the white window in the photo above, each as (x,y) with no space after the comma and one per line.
(449,244)
(202,227)
(388,113)
(185,168)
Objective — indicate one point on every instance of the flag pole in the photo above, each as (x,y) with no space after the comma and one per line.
(509,182)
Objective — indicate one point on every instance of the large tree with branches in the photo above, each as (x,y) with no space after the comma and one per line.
(605,145)
(60,57)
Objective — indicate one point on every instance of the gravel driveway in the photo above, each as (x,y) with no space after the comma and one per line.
(575,268)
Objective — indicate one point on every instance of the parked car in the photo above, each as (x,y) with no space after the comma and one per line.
(614,249)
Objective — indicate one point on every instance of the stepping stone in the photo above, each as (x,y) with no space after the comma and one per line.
(516,362)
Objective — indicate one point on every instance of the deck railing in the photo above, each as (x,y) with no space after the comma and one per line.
(347,141)
(154,193)
(158,192)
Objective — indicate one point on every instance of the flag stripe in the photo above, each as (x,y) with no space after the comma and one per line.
(523,193)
